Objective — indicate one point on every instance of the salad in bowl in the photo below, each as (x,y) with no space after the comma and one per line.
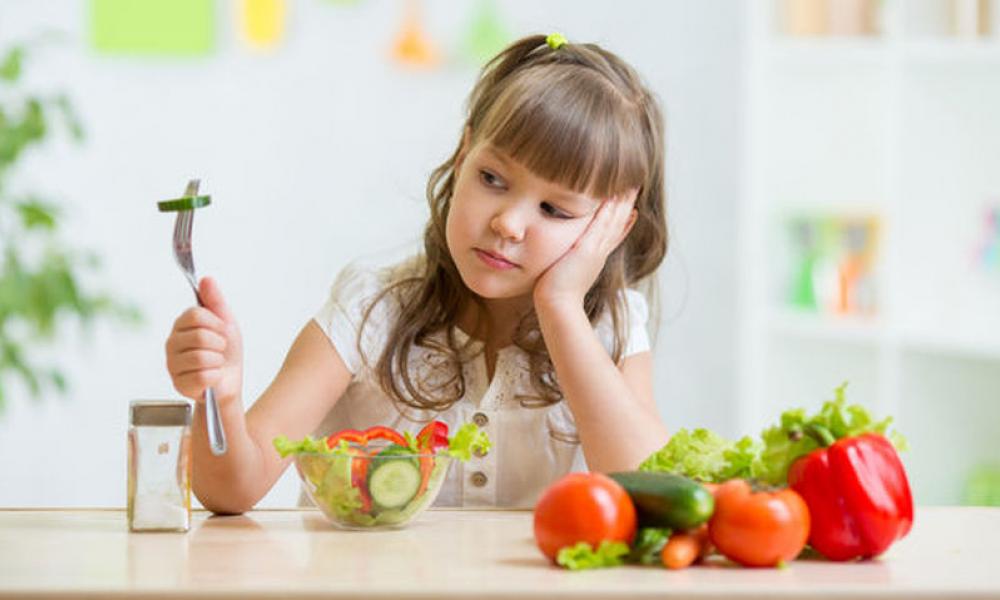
(379,478)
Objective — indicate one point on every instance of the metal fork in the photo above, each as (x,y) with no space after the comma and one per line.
(182,252)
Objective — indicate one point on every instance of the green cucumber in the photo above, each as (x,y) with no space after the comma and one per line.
(393,477)
(393,483)
(185,203)
(666,499)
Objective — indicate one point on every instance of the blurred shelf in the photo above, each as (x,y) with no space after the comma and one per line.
(952,50)
(824,327)
(834,122)
(848,51)
(878,52)
(981,345)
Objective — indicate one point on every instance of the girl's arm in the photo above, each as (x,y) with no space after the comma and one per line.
(614,408)
(309,383)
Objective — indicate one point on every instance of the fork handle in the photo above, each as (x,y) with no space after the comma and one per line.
(216,434)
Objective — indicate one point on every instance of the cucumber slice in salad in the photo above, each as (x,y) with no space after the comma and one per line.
(185,203)
(392,483)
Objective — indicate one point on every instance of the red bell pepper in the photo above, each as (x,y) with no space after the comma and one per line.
(433,436)
(359,465)
(857,492)
(348,435)
(384,433)
(359,476)
(362,438)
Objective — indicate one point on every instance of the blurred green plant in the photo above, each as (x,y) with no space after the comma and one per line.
(40,277)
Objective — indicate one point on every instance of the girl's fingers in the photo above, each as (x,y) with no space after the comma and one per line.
(196,317)
(196,339)
(194,360)
(192,385)
(610,221)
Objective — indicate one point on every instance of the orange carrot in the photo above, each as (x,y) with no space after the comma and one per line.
(681,551)
(704,541)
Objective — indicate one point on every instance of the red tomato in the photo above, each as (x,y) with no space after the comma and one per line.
(758,529)
(583,507)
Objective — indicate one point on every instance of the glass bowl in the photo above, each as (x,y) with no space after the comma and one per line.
(372,488)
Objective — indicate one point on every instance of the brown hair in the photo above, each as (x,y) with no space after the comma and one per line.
(580,117)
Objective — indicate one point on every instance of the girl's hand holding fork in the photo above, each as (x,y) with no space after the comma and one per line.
(205,349)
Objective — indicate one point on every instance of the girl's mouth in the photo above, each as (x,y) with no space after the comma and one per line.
(494,261)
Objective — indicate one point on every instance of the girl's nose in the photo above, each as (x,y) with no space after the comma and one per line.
(508,225)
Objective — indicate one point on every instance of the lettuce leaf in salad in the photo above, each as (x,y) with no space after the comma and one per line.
(411,442)
(583,556)
(469,437)
(307,445)
(335,491)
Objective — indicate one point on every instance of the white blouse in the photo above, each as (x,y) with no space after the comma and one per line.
(531,447)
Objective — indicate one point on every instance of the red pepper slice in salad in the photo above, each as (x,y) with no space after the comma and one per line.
(433,436)
(362,438)
(359,476)
(348,435)
(359,466)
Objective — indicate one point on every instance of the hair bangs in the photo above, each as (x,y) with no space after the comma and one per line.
(577,131)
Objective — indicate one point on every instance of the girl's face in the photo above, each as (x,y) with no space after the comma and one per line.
(506,225)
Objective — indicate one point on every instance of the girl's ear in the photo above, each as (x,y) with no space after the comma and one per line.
(633,216)
(628,226)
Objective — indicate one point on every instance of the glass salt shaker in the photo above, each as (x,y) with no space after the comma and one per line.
(159,465)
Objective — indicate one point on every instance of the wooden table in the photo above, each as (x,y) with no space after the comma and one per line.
(951,552)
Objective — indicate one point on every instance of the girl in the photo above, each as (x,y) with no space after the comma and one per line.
(518,314)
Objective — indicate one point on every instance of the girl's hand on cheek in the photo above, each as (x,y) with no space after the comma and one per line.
(567,281)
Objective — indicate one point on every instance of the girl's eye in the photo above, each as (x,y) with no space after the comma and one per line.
(490,180)
(552,211)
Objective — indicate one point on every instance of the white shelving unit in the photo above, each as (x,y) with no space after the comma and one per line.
(905,125)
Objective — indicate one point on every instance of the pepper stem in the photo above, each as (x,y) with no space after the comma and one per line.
(821,434)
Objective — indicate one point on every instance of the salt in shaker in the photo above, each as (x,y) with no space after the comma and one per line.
(159,465)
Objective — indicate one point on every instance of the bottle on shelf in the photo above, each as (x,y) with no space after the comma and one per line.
(810,18)
(832,264)
(970,18)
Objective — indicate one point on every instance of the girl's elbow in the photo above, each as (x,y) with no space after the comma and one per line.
(229,505)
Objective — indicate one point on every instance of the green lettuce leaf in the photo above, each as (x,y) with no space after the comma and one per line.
(411,442)
(704,455)
(583,556)
(796,434)
(648,544)
(468,438)
(307,445)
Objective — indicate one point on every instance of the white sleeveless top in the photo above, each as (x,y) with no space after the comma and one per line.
(531,447)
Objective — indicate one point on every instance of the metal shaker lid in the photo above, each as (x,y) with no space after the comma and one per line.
(160,412)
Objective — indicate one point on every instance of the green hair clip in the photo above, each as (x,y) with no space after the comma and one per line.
(556,40)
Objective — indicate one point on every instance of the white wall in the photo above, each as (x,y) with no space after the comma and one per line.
(313,155)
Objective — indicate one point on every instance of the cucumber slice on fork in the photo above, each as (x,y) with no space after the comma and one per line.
(186,203)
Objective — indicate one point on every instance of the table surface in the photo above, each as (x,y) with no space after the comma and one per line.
(951,552)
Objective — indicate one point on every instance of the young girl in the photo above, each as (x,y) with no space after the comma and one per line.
(518,315)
